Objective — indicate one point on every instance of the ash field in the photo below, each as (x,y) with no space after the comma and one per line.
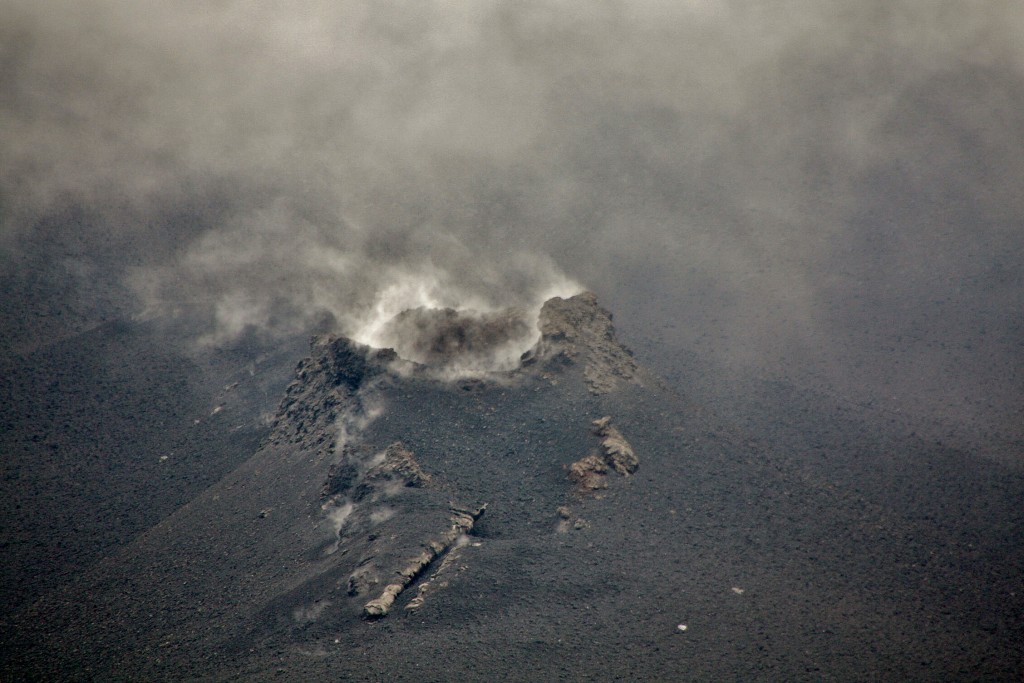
(308,368)
(810,541)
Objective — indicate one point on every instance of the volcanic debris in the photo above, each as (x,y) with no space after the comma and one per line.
(589,474)
(397,466)
(331,385)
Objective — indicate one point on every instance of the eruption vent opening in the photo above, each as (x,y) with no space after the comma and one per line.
(461,340)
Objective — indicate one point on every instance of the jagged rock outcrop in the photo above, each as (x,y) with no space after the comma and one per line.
(358,476)
(617,451)
(577,329)
(325,385)
(381,503)
(398,466)
(590,473)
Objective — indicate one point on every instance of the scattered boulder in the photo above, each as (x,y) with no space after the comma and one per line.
(589,474)
(566,521)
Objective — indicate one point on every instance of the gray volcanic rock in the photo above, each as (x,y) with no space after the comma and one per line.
(589,474)
(577,329)
(398,466)
(617,451)
(462,522)
(326,384)
(373,471)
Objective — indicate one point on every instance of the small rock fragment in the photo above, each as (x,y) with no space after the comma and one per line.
(588,474)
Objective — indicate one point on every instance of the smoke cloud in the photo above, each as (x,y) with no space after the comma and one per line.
(465,339)
(829,188)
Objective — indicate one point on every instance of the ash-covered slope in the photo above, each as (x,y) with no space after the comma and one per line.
(104,433)
(373,464)
(555,522)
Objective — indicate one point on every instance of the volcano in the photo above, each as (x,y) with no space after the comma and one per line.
(575,517)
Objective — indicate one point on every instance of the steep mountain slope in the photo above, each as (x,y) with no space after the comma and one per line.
(106,432)
(529,542)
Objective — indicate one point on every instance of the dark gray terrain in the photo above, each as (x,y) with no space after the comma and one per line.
(810,541)
(268,272)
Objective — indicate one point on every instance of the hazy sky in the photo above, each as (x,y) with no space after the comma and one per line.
(829,188)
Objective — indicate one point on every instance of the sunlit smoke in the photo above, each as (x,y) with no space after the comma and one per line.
(429,323)
(381,514)
(407,292)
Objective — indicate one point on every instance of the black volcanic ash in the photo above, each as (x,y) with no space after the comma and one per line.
(466,340)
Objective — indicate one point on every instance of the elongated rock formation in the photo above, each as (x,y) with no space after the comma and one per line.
(462,523)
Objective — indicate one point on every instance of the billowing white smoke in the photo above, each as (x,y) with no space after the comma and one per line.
(417,318)
(338,515)
(280,275)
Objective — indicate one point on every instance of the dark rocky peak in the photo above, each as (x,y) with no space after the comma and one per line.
(328,383)
(578,330)
(341,361)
